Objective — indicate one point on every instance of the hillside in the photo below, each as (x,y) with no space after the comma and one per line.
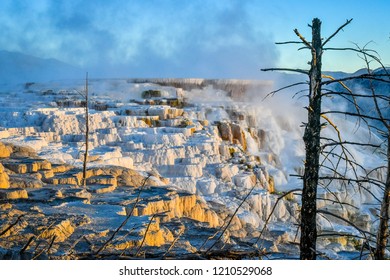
(17,67)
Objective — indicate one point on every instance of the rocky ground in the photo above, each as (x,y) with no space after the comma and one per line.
(168,176)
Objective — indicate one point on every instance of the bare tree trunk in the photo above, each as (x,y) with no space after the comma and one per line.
(383,230)
(312,146)
(86,133)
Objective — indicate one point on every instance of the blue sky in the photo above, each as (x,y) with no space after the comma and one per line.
(197,38)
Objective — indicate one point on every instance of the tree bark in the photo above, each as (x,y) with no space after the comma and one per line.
(312,146)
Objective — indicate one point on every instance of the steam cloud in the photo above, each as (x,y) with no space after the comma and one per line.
(208,39)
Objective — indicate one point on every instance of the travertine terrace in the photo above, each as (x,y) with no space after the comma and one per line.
(169,166)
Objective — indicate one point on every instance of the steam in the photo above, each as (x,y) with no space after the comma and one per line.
(282,115)
(206,39)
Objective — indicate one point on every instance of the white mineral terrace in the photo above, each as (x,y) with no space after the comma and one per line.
(205,147)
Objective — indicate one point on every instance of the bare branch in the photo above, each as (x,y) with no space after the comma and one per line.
(359,51)
(283,88)
(288,42)
(342,234)
(373,77)
(344,150)
(355,115)
(349,143)
(341,93)
(11,225)
(127,217)
(212,236)
(27,245)
(173,242)
(145,234)
(303,39)
(301,91)
(375,98)
(365,233)
(339,202)
(272,211)
(337,31)
(231,219)
(306,72)
(333,194)
(349,180)
(303,48)
(346,88)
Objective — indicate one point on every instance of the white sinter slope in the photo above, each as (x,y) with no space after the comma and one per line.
(200,140)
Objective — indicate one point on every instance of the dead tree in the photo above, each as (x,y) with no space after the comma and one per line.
(332,155)
(311,137)
(379,111)
(312,140)
(383,230)
(86,132)
(377,118)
